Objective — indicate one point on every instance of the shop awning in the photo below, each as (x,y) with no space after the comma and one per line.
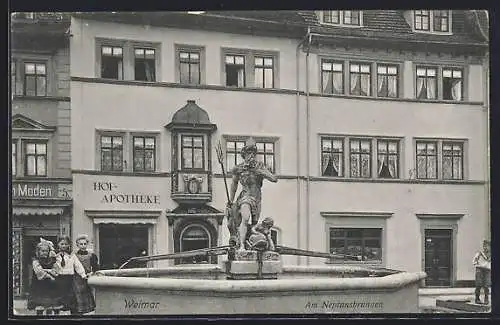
(32,211)
(124,221)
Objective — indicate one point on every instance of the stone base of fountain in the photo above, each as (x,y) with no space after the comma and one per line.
(253,265)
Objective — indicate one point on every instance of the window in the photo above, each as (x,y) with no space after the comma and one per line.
(264,76)
(363,242)
(194,237)
(360,79)
(426,83)
(332,77)
(144,64)
(452,84)
(331,16)
(35,79)
(14,158)
(144,154)
(387,79)
(426,160)
(360,157)
(35,159)
(387,158)
(235,70)
(13,77)
(111,153)
(422,20)
(342,17)
(332,157)
(441,20)
(265,154)
(452,160)
(351,17)
(112,62)
(119,242)
(189,65)
(233,153)
(192,147)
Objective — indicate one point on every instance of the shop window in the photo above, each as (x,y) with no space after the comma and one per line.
(194,237)
(365,243)
(119,242)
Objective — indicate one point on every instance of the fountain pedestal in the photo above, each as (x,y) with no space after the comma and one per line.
(253,265)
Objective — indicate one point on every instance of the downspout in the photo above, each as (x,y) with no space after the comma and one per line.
(297,127)
(308,150)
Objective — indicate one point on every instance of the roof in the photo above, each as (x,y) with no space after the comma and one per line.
(190,116)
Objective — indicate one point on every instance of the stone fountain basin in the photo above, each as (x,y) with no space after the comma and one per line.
(204,290)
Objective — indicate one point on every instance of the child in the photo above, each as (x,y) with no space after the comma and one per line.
(69,265)
(482,263)
(260,236)
(85,302)
(44,293)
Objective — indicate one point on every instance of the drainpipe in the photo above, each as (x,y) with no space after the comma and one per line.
(297,127)
(308,150)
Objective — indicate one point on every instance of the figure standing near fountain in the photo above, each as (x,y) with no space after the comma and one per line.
(482,263)
(250,174)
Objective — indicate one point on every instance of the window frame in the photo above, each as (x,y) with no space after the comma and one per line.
(342,155)
(144,149)
(435,16)
(264,68)
(420,16)
(427,142)
(123,160)
(431,20)
(388,154)
(35,75)
(398,76)
(370,77)
(435,77)
(439,67)
(244,66)
(25,143)
(192,147)
(462,79)
(265,154)
(122,57)
(360,154)
(200,50)
(462,159)
(341,18)
(332,72)
(258,139)
(144,49)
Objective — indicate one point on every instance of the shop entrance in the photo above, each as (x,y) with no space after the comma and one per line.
(438,257)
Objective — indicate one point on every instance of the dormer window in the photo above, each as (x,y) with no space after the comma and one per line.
(342,17)
(438,21)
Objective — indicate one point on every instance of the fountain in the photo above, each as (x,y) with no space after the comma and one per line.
(253,279)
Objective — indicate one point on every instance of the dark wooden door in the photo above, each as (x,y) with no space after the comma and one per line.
(438,257)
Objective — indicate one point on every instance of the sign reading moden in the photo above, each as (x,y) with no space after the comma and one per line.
(30,190)
(112,195)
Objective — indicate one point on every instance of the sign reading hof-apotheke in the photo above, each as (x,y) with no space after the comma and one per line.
(112,194)
(41,190)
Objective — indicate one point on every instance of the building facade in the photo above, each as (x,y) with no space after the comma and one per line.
(375,123)
(40,165)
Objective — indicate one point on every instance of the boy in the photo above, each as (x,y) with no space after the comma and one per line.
(482,263)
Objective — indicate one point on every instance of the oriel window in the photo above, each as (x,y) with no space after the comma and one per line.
(387,158)
(235,71)
(332,157)
(233,153)
(422,20)
(35,159)
(35,79)
(111,153)
(332,77)
(144,64)
(387,79)
(189,65)
(360,79)
(360,154)
(426,83)
(452,160)
(441,21)
(112,62)
(452,84)
(426,160)
(192,147)
(265,154)
(264,77)
(144,154)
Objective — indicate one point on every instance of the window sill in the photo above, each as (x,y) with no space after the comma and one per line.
(432,32)
(395,180)
(53,98)
(118,173)
(397,99)
(341,25)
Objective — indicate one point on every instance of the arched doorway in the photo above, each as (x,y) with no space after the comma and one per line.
(194,236)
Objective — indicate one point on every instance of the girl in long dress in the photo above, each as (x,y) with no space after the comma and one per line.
(70,267)
(44,294)
(85,302)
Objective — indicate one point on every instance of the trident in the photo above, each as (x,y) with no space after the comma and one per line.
(218,149)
